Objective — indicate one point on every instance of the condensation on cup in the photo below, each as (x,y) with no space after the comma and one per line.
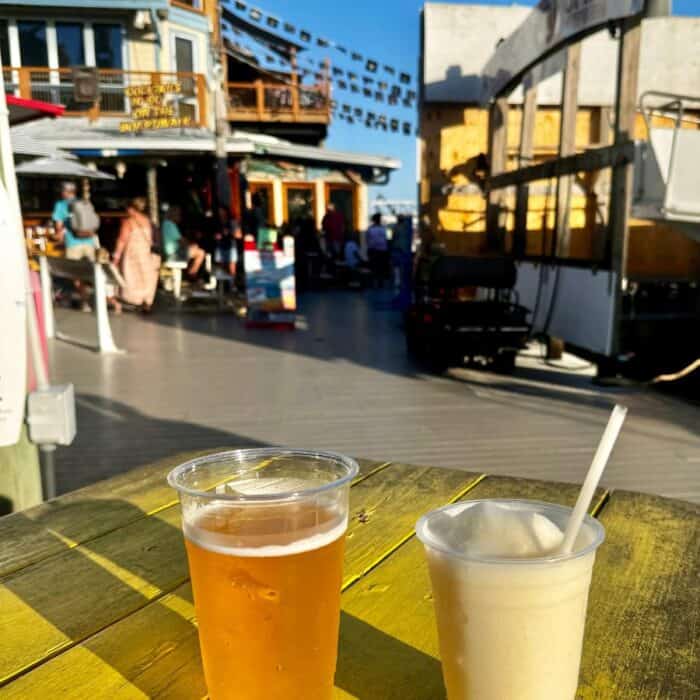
(264,532)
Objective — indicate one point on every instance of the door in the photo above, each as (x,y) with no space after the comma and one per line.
(343,197)
(261,198)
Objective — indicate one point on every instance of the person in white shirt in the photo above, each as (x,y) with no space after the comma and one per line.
(378,250)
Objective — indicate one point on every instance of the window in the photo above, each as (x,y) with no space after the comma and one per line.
(184,55)
(108,45)
(69,42)
(4,44)
(299,202)
(32,43)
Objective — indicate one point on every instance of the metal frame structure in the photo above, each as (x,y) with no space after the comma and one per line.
(619,156)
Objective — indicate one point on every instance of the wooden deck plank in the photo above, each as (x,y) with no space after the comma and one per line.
(389,614)
(31,535)
(53,605)
(643,631)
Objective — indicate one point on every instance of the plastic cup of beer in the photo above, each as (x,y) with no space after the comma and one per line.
(510,610)
(264,532)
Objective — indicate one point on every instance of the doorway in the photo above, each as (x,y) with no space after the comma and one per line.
(343,197)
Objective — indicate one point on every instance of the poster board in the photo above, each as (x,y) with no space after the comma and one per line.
(13,314)
(270,285)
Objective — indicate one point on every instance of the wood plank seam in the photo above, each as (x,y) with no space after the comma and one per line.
(381,467)
(63,648)
(406,538)
(600,504)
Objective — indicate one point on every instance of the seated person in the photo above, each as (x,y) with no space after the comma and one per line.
(176,247)
(352,253)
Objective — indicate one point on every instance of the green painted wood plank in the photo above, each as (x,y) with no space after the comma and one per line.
(643,630)
(384,507)
(34,534)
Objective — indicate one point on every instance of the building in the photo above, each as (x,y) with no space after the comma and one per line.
(156,65)
(457,41)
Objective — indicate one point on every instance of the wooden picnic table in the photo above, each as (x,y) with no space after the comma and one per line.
(95,600)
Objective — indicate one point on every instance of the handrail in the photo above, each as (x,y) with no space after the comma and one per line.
(51,83)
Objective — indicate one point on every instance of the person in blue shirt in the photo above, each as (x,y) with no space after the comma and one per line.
(78,245)
(176,247)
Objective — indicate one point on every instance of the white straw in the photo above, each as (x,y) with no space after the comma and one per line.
(600,461)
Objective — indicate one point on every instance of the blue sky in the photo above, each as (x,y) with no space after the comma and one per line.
(387,31)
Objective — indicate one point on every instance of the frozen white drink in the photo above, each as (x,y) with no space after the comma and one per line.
(510,612)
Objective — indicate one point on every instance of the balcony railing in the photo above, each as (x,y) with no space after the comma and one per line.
(278,102)
(56,86)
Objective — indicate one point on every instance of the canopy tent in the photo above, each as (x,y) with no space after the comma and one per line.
(21,110)
(60,167)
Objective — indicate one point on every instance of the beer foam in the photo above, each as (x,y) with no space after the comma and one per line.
(248,529)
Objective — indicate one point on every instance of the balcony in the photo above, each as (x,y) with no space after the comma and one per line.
(278,102)
(56,86)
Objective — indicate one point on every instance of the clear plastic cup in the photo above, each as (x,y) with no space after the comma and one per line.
(510,628)
(264,531)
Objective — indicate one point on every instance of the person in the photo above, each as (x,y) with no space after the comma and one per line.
(352,253)
(81,243)
(226,250)
(333,227)
(176,247)
(133,255)
(378,250)
(402,259)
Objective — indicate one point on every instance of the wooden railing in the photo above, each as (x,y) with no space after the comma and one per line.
(55,85)
(261,101)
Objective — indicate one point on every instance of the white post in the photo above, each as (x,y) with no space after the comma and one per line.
(278,212)
(47,297)
(105,341)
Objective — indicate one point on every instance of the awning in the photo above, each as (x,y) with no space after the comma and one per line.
(60,167)
(22,110)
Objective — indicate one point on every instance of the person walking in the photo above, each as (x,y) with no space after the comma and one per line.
(139,265)
(76,225)
(378,250)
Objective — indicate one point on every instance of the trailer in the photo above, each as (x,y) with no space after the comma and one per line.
(590,185)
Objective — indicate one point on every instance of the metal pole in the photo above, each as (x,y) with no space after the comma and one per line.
(48,471)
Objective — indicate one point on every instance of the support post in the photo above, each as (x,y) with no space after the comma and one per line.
(567,146)
(623,175)
(152,188)
(105,341)
(47,297)
(498,144)
(527,149)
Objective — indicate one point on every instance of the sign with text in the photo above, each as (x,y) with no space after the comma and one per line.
(550,25)
(152,107)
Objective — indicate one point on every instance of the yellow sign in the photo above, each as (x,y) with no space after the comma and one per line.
(149,109)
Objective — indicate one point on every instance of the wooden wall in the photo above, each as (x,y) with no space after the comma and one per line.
(451,135)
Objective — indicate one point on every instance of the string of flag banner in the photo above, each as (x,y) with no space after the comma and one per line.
(274,23)
(347,80)
(376,87)
(344,111)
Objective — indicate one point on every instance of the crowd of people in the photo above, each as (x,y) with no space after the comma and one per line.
(187,234)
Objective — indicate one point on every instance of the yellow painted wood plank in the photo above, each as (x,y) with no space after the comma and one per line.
(64,598)
(384,508)
(388,644)
(643,628)
(31,535)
